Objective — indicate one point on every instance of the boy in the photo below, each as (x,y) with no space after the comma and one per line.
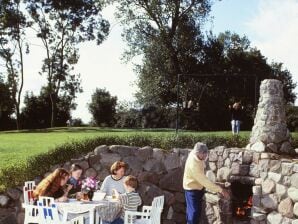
(129,200)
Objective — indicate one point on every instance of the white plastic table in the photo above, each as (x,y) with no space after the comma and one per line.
(107,210)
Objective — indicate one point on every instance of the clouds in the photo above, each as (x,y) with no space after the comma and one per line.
(274,30)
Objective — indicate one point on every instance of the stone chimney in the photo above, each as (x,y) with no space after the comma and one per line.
(270,131)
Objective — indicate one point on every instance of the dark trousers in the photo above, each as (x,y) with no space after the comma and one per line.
(193,205)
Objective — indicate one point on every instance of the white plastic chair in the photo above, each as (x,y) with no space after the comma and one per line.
(149,214)
(77,220)
(31,214)
(48,211)
(28,189)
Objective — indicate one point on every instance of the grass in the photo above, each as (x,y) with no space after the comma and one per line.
(17,147)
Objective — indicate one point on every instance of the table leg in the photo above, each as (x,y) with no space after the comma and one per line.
(92,216)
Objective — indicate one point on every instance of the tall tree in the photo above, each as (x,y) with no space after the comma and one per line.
(162,31)
(61,26)
(13,46)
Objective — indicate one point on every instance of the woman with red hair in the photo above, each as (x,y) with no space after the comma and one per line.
(54,186)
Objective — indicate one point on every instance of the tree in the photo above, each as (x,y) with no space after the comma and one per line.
(61,26)
(37,110)
(6,106)
(163,32)
(103,107)
(13,46)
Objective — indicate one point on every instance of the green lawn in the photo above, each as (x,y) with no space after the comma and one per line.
(16,147)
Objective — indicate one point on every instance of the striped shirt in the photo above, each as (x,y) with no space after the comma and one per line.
(110,183)
(130,202)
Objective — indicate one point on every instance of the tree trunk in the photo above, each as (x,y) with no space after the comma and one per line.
(53,109)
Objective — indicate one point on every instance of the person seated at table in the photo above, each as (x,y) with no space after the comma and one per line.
(54,186)
(115,180)
(74,180)
(131,200)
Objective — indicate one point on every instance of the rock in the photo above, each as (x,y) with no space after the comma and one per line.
(21,217)
(295,221)
(107,159)
(258,216)
(90,173)
(274,218)
(172,181)
(294,180)
(103,174)
(286,168)
(172,161)
(263,165)
(212,166)
(94,162)
(271,147)
(149,177)
(286,180)
(293,194)
(153,165)
(247,157)
(124,150)
(286,147)
(295,168)
(244,170)
(148,191)
(101,149)
(180,197)
(228,163)
(169,198)
(256,200)
(212,156)
(258,147)
(285,208)
(269,202)
(4,200)
(275,166)
(83,164)
(295,210)
(235,169)
(145,153)
(281,191)
(223,174)
(211,176)
(158,154)
(14,193)
(254,170)
(134,163)
(274,176)
(211,198)
(257,190)
(170,213)
(268,186)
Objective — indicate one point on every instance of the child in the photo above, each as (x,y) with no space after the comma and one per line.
(129,200)
(75,174)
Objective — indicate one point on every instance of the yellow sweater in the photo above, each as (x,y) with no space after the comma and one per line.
(194,175)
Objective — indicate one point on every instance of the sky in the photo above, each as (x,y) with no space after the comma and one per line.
(270,25)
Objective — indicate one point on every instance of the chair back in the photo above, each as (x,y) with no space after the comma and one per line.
(28,189)
(157,207)
(31,214)
(48,210)
(77,220)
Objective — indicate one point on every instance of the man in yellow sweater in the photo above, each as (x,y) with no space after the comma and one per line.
(195,182)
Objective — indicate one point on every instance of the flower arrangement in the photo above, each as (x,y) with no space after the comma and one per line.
(89,185)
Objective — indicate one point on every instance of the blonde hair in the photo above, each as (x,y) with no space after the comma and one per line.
(131,181)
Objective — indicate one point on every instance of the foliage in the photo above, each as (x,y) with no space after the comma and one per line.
(37,110)
(6,107)
(103,107)
(292,117)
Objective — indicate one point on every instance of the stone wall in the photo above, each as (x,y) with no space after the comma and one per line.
(275,181)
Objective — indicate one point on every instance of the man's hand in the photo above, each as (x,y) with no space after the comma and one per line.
(225,193)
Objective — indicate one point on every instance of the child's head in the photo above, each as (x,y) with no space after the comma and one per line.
(130,182)
(76,171)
